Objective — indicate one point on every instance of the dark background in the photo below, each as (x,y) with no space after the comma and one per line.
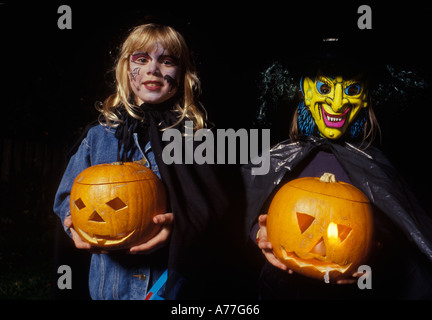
(50,80)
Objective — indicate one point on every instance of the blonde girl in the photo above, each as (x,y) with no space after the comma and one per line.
(156,88)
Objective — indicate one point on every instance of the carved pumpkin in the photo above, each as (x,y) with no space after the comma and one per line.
(112,205)
(320,228)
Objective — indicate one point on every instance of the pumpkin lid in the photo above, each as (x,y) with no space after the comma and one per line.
(116,172)
(327,185)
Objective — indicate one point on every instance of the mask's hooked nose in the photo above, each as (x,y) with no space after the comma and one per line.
(338,102)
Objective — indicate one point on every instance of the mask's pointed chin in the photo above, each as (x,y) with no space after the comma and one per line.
(331,133)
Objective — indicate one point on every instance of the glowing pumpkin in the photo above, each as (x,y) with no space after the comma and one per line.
(112,205)
(320,228)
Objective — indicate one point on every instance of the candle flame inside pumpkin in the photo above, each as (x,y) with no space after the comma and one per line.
(332,231)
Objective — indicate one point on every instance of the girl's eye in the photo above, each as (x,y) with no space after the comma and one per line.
(323,88)
(168,61)
(140,58)
(353,89)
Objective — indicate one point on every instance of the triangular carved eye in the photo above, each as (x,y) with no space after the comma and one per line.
(343,231)
(304,221)
(79,204)
(116,204)
(95,217)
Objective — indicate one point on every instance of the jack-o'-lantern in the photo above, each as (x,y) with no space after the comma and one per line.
(320,227)
(113,205)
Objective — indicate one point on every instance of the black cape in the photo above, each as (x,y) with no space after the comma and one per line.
(369,170)
(204,256)
(200,199)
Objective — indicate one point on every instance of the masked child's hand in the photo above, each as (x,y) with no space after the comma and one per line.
(160,239)
(265,245)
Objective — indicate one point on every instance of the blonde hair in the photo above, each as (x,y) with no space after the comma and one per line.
(144,37)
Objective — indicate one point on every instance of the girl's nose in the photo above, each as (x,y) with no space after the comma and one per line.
(153,68)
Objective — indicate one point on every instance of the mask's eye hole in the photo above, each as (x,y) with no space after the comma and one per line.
(353,89)
(323,88)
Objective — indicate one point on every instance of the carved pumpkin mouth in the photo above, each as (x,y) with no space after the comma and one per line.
(98,239)
(321,266)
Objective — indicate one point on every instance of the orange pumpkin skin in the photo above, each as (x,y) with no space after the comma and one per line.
(320,228)
(113,205)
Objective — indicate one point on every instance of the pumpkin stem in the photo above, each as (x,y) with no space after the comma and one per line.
(117,163)
(328,177)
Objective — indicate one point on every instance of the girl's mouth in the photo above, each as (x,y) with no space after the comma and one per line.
(333,120)
(153,85)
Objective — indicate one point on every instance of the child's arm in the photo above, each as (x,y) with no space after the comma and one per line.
(78,162)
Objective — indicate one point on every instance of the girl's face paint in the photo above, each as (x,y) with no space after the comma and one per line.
(154,75)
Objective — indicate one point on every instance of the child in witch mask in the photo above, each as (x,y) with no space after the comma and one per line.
(156,88)
(332,131)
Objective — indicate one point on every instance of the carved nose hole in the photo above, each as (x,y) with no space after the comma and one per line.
(343,231)
(304,221)
(319,248)
(116,204)
(95,217)
(79,204)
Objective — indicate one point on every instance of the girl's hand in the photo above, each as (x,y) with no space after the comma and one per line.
(80,243)
(160,239)
(266,247)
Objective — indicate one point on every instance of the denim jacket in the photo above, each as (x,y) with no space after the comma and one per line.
(114,275)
